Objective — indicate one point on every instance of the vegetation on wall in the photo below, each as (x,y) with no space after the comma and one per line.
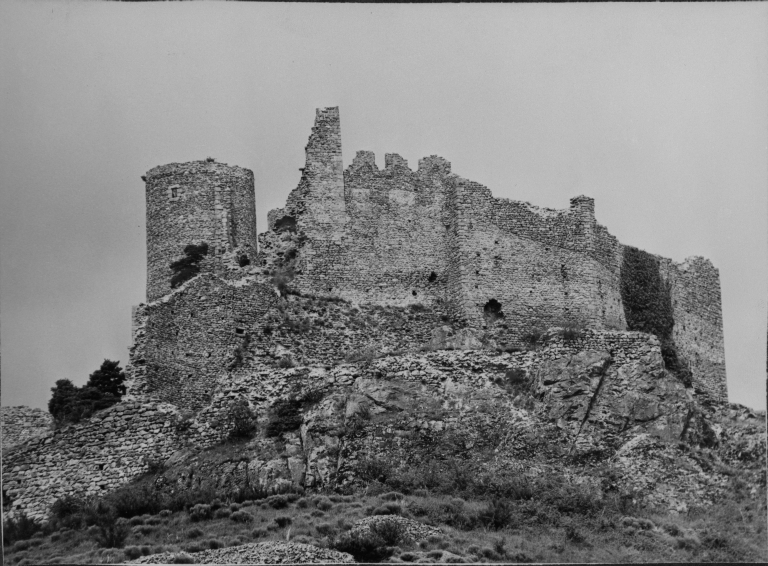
(71,404)
(189,266)
(648,306)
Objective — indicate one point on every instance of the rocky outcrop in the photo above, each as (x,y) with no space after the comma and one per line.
(257,553)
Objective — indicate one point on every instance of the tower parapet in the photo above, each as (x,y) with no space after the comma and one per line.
(192,203)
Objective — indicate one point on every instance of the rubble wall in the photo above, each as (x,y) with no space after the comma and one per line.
(88,458)
(22,423)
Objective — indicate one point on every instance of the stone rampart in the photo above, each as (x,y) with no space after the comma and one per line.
(88,458)
(19,424)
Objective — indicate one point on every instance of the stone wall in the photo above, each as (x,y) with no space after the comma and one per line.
(190,203)
(88,458)
(210,327)
(184,341)
(698,330)
(397,236)
(19,424)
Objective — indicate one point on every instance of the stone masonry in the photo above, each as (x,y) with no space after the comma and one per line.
(395,236)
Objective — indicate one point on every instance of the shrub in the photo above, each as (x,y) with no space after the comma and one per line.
(241,517)
(388,509)
(285,416)
(188,267)
(277,501)
(302,503)
(195,533)
(531,339)
(200,512)
(323,503)
(111,530)
(67,511)
(286,362)
(364,546)
(283,521)
(222,513)
(258,533)
(392,496)
(242,420)
(213,544)
(19,529)
(135,499)
(132,552)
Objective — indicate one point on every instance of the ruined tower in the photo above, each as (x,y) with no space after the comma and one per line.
(195,202)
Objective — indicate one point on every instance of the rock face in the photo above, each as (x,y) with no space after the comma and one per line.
(22,423)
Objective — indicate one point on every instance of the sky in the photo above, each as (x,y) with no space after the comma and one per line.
(658,112)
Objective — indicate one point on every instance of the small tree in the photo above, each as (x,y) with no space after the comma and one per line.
(109,378)
(71,404)
(187,267)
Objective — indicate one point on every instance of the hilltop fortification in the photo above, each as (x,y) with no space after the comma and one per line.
(389,311)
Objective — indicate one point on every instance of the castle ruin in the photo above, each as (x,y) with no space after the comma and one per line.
(394,236)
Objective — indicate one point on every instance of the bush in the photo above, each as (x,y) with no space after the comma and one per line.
(18,529)
(285,416)
(278,501)
(200,512)
(222,514)
(241,517)
(195,533)
(188,267)
(283,521)
(135,499)
(531,339)
(388,509)
(111,530)
(132,552)
(242,420)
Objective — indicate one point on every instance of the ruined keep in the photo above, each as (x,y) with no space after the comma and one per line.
(394,237)
(190,203)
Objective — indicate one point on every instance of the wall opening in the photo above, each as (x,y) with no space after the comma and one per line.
(285,223)
(492,310)
(240,331)
(432,277)
(243,260)
(413,293)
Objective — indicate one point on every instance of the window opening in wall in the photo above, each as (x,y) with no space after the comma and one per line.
(189,376)
(330,289)
(243,260)
(413,293)
(432,277)
(492,310)
(174,192)
(239,330)
(101,466)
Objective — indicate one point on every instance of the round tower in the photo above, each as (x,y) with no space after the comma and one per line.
(192,203)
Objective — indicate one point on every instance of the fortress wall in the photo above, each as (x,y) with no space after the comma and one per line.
(213,203)
(88,458)
(698,330)
(191,337)
(542,265)
(392,250)
(19,424)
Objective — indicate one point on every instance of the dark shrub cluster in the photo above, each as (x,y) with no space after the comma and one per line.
(188,266)
(373,545)
(71,404)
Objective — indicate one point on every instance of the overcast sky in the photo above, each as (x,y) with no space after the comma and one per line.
(659,112)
